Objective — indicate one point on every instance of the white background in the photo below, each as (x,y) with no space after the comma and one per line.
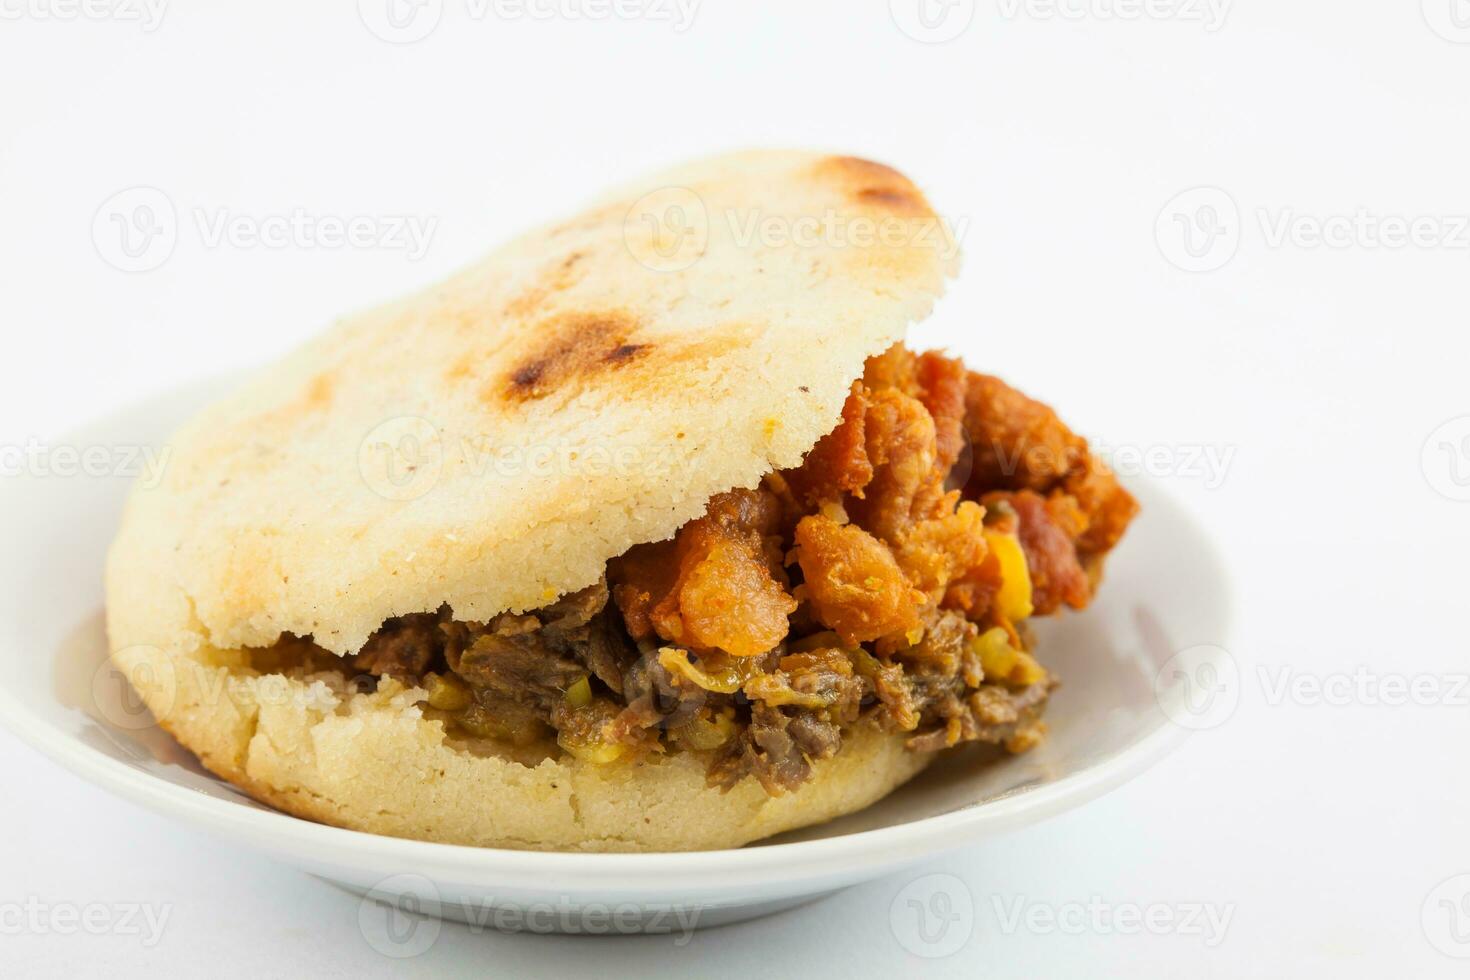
(1320,373)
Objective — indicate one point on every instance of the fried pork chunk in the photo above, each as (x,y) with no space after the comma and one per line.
(887,580)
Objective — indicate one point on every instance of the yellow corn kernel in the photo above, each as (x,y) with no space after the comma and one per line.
(599,753)
(478,721)
(447,692)
(1003,662)
(579,695)
(864,662)
(704,734)
(834,511)
(1013,601)
(997,656)
(1027,671)
(1026,739)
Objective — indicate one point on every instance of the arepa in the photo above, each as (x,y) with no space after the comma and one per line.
(337,595)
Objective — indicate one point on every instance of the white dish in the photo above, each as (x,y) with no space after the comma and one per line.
(1166,592)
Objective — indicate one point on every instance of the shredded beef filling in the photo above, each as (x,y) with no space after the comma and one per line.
(887,580)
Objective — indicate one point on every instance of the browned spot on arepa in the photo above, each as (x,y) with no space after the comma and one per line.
(570,349)
(877,185)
